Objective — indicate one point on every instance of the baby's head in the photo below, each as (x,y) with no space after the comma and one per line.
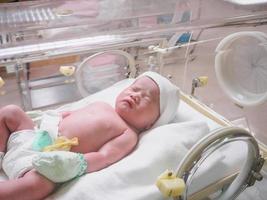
(150,101)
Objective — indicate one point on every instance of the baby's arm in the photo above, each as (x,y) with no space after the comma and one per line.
(112,151)
(61,166)
(65,114)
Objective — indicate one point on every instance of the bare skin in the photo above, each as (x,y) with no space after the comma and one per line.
(105,134)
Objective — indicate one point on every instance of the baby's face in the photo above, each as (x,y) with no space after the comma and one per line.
(139,104)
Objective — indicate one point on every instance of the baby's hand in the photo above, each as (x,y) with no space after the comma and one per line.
(60,166)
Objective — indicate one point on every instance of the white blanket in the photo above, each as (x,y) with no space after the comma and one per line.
(133,178)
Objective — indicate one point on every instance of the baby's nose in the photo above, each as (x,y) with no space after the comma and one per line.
(135,97)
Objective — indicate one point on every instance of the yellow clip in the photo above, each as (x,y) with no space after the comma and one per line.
(203,80)
(62,144)
(67,70)
(2,82)
(170,185)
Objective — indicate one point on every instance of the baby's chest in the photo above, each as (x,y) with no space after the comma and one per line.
(94,135)
(109,125)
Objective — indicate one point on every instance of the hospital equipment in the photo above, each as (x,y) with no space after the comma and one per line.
(241,73)
(2,83)
(250,170)
(198,82)
(172,186)
(177,38)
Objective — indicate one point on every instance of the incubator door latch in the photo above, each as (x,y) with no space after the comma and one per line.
(255,173)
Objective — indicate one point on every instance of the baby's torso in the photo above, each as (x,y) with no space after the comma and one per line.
(94,125)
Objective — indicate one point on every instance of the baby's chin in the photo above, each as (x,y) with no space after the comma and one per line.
(122,107)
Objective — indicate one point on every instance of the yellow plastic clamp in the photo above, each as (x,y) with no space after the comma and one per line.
(203,80)
(2,82)
(170,185)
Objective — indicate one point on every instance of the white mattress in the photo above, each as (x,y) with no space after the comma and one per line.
(158,149)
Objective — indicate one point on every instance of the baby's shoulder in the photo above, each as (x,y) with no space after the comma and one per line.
(102,109)
(100,104)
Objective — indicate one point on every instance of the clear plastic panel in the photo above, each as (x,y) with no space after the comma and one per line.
(49,24)
(192,29)
(100,71)
(200,61)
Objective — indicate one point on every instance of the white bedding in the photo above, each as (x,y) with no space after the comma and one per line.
(158,149)
(133,177)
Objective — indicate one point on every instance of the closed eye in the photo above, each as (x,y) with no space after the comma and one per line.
(135,89)
(147,97)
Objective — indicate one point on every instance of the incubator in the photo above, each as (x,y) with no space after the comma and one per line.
(214,51)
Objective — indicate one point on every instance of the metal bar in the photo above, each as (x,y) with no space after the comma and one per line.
(213,187)
(66,52)
(18,80)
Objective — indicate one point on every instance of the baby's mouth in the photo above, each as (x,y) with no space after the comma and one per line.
(129,102)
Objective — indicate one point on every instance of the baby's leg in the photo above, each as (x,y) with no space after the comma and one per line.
(32,186)
(12,118)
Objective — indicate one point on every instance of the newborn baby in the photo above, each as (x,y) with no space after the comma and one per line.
(105,136)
